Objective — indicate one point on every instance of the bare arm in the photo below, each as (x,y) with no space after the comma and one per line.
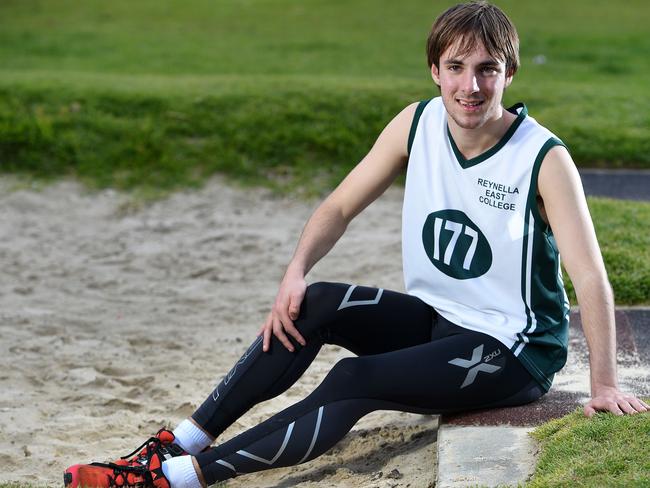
(369,179)
(568,215)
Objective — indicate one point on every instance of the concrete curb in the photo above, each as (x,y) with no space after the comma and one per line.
(484,456)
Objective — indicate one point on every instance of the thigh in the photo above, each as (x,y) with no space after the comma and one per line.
(463,371)
(367,320)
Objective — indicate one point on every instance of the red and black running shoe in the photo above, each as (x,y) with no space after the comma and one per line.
(141,469)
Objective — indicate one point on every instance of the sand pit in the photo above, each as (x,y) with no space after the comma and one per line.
(116,320)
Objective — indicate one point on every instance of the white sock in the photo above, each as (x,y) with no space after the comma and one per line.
(180,472)
(191,438)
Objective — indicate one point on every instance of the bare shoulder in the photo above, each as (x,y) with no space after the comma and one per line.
(405,118)
(558,175)
(395,134)
(409,111)
(568,214)
(378,169)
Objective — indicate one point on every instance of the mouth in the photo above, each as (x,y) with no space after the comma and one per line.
(470,105)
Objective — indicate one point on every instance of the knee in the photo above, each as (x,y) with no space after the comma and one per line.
(347,379)
(320,302)
(347,373)
(313,310)
(319,291)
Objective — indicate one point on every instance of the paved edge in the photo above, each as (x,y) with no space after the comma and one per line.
(486,456)
(620,184)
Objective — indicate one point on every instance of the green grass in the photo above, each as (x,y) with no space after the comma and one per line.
(605,451)
(359,38)
(132,139)
(324,59)
(625,244)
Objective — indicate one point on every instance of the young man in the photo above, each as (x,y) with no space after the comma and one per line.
(484,322)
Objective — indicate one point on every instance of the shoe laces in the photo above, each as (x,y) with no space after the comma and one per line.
(128,475)
(135,466)
(152,444)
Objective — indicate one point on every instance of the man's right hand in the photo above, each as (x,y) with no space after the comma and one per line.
(285,310)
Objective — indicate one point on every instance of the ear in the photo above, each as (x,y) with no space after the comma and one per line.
(435,74)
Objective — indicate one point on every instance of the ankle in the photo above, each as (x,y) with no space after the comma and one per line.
(199,473)
(181,472)
(191,437)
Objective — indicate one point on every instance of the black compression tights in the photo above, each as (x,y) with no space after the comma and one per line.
(409,359)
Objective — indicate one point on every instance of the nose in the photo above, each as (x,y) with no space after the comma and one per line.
(470,82)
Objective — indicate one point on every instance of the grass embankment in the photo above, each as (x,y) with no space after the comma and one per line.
(166,133)
(607,451)
(183,89)
(129,139)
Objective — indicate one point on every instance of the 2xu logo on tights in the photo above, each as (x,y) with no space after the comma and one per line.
(455,245)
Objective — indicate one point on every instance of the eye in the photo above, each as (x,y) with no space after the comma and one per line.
(454,67)
(489,70)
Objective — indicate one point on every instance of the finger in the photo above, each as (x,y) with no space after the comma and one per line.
(268,331)
(600,405)
(267,338)
(266,324)
(290,327)
(294,305)
(626,407)
(614,408)
(278,330)
(293,332)
(638,405)
(294,311)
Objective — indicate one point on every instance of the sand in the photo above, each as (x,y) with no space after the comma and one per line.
(117,319)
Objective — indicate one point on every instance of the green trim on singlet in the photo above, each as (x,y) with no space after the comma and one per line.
(414,124)
(546,331)
(534,177)
(468,163)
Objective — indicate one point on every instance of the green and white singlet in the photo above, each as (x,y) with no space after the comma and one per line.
(474,244)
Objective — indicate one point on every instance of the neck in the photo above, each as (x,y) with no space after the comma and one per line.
(474,142)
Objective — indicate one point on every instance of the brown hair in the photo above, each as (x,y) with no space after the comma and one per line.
(469,24)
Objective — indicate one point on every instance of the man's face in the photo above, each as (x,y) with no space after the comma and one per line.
(471,86)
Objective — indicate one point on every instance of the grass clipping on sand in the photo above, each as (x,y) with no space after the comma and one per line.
(606,450)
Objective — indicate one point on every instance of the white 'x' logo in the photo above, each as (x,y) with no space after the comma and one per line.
(470,363)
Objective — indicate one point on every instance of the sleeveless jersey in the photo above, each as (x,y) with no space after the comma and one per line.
(474,244)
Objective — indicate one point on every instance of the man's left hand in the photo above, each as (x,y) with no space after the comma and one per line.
(613,400)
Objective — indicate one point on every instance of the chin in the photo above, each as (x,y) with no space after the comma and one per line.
(469,124)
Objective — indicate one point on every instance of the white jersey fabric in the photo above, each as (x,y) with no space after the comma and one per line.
(474,244)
